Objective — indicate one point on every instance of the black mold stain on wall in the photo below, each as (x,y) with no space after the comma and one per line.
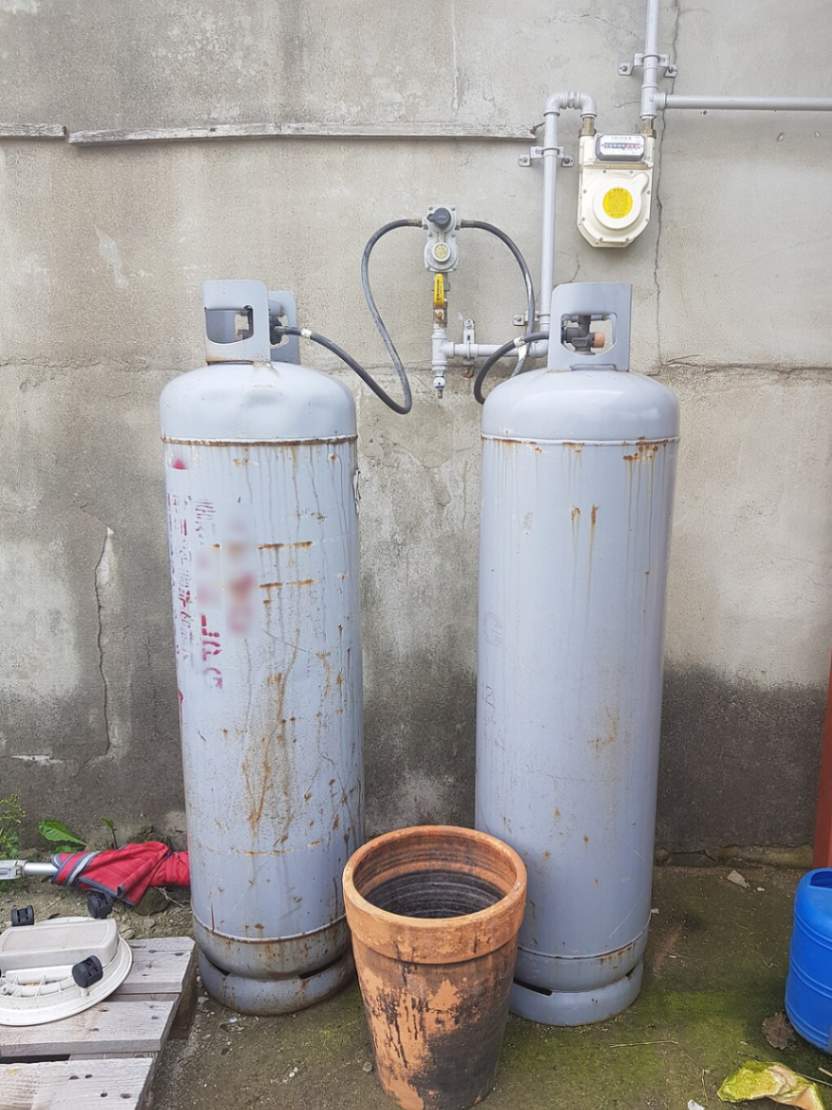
(739,761)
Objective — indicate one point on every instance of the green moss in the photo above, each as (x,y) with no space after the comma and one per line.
(715,969)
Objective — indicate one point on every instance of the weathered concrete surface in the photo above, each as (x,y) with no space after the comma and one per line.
(102,254)
(715,970)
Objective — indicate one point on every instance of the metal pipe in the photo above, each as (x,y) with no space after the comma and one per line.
(585,104)
(550,184)
(650,62)
(482,350)
(746,103)
(33,868)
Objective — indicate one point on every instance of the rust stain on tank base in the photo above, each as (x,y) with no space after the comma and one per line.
(594,515)
(575,514)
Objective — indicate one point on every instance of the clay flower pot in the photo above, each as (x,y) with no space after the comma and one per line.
(434,913)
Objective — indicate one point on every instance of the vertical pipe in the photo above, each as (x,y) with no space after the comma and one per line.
(650,63)
(550,176)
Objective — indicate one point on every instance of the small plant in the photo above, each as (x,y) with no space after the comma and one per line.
(11,818)
(61,838)
(109,824)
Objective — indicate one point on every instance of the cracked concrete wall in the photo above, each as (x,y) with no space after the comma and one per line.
(102,254)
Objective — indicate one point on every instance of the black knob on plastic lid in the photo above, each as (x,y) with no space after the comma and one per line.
(23,915)
(99,904)
(441,217)
(88,971)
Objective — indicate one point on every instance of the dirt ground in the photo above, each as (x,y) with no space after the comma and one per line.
(715,970)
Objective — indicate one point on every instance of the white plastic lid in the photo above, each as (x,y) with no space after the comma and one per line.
(36,962)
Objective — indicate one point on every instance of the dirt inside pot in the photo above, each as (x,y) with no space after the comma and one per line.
(434,893)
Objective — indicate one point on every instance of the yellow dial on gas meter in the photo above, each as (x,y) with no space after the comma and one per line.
(617,202)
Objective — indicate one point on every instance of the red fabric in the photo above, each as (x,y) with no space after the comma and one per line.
(125,873)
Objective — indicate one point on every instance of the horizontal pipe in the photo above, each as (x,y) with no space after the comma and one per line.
(482,350)
(36,868)
(746,103)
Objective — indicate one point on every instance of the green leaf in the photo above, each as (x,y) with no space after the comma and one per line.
(57,833)
(109,824)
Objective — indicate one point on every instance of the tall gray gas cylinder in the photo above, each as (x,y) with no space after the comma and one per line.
(260,468)
(577,490)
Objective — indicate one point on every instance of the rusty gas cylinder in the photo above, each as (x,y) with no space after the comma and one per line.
(260,466)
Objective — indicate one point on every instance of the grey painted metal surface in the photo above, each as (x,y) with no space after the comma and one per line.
(745,103)
(260,472)
(577,488)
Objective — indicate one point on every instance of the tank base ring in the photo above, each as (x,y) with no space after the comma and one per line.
(576,1007)
(275,996)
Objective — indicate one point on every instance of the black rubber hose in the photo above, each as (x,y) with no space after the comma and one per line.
(331,345)
(521,262)
(398,366)
(407,403)
(501,352)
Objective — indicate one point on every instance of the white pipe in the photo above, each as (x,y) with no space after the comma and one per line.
(746,103)
(37,868)
(550,185)
(483,350)
(650,62)
(585,104)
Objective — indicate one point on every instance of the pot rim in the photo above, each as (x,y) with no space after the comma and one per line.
(435,940)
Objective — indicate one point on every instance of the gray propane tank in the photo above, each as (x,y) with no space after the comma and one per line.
(577,490)
(260,468)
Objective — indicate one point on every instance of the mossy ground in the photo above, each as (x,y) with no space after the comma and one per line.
(715,969)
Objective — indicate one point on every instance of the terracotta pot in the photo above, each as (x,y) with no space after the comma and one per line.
(434,913)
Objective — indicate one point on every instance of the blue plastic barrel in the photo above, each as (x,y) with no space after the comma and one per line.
(809,985)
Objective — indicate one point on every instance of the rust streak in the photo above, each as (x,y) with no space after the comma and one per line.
(299,582)
(277,546)
(259,442)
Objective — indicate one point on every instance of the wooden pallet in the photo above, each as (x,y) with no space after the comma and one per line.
(109,1051)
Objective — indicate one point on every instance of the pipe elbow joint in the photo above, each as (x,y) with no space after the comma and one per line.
(583,102)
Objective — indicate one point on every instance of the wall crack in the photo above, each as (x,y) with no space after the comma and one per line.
(101,577)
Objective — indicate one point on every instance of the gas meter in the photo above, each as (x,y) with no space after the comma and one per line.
(615,188)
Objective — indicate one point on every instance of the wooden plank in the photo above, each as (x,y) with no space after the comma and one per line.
(32,131)
(160,967)
(108,1027)
(76,1086)
(301,131)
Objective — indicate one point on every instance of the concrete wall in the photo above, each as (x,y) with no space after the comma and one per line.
(102,253)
